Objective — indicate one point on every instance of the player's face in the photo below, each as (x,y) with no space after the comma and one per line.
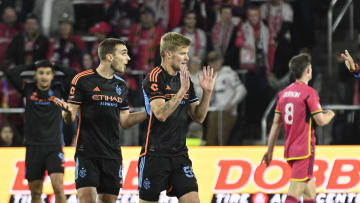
(120,58)
(179,58)
(44,76)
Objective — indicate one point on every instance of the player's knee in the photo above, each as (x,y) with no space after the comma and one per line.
(36,195)
(86,199)
(310,195)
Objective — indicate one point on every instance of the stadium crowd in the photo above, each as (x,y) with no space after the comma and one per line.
(249,44)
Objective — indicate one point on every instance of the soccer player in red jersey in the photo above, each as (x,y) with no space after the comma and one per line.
(297,106)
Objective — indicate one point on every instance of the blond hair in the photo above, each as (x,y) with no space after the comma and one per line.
(171,41)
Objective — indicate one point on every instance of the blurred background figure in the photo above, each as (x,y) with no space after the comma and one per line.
(278,16)
(195,71)
(100,30)
(9,136)
(197,35)
(224,36)
(144,40)
(66,48)
(87,61)
(49,13)
(228,93)
(9,27)
(121,15)
(253,42)
(28,46)
(194,135)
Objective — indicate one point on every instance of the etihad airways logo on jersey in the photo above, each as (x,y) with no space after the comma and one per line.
(106,100)
(99,97)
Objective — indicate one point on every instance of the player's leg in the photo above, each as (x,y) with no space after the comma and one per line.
(35,171)
(191,197)
(296,189)
(153,177)
(310,192)
(110,180)
(183,181)
(86,179)
(301,175)
(36,190)
(107,198)
(55,166)
(87,194)
(57,182)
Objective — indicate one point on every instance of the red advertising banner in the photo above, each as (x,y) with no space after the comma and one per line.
(225,174)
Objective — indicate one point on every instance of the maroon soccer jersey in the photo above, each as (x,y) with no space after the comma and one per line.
(297,103)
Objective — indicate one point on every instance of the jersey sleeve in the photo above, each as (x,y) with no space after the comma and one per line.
(192,95)
(154,88)
(313,103)
(125,102)
(76,91)
(277,108)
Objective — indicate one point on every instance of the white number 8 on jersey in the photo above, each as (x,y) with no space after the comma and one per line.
(289,113)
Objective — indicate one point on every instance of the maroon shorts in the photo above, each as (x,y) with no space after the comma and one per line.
(302,170)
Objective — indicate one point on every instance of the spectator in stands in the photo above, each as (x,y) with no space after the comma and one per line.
(168,13)
(87,61)
(10,98)
(49,13)
(195,71)
(229,86)
(66,48)
(8,29)
(100,30)
(194,135)
(224,35)
(9,136)
(29,46)
(22,8)
(122,15)
(197,35)
(144,40)
(253,42)
(279,17)
(239,7)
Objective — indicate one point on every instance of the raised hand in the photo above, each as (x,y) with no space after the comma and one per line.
(207,82)
(62,104)
(267,158)
(184,78)
(349,62)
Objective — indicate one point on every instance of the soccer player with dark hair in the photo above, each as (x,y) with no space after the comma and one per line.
(43,125)
(164,162)
(100,99)
(297,106)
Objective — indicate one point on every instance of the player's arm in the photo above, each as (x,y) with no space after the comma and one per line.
(323,118)
(350,64)
(163,109)
(198,110)
(274,133)
(69,111)
(128,119)
(13,75)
